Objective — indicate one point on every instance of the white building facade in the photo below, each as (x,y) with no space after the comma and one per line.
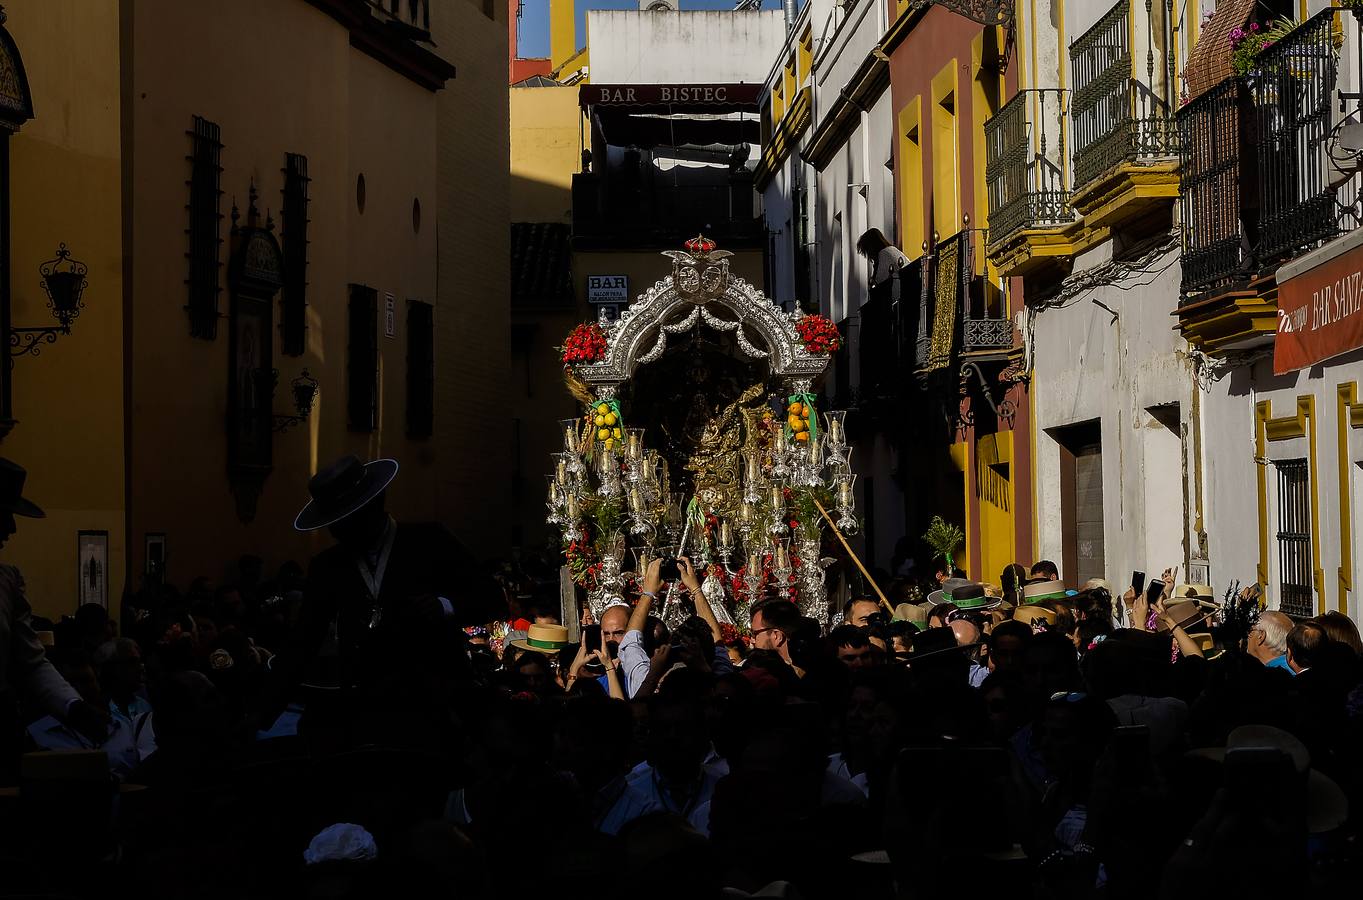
(827,177)
(1086,224)
(1271,307)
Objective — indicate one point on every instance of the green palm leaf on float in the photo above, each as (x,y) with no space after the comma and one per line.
(944,539)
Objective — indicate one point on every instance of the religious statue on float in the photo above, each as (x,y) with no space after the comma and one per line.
(700,435)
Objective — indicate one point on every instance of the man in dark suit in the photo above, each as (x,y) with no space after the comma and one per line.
(383,610)
(25,673)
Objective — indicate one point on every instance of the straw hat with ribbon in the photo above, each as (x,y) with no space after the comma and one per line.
(1031,615)
(948,588)
(1184,613)
(972,596)
(1201,594)
(1045,590)
(546,639)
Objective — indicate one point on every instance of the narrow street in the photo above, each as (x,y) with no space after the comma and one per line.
(759,448)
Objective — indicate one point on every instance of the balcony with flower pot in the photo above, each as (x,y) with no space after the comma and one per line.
(1268,175)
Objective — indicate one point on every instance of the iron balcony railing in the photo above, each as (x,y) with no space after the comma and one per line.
(957,309)
(1294,86)
(1117,115)
(1259,181)
(1217,170)
(985,325)
(1024,163)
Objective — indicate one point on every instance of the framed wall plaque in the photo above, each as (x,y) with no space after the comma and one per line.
(92,554)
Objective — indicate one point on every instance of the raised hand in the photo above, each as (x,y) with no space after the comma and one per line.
(1169,577)
(688,574)
(657,664)
(1140,612)
(653,579)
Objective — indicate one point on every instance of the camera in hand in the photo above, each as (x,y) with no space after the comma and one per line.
(670,571)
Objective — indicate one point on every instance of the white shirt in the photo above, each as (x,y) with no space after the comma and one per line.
(888,262)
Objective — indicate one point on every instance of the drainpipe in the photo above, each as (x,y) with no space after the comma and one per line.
(789,6)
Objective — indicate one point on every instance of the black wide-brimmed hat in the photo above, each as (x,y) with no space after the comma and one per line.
(12,477)
(343,488)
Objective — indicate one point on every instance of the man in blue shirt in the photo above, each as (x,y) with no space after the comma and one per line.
(1268,639)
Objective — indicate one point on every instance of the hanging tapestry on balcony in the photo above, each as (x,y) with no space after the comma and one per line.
(948,279)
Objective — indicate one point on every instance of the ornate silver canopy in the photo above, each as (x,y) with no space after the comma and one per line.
(701,291)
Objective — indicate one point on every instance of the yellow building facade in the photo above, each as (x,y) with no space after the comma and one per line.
(265,193)
(66,185)
(546,152)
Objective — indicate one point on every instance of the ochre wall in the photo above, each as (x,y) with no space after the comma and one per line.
(66,188)
(472,434)
(278,78)
(545,153)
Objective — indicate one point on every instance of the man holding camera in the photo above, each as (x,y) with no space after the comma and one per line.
(636,662)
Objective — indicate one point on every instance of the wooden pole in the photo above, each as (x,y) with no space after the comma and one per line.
(848,547)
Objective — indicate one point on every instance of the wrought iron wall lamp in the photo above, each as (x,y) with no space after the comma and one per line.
(64,283)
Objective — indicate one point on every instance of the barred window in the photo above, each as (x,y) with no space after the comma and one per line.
(362,367)
(1295,591)
(205,192)
(420,369)
(293,300)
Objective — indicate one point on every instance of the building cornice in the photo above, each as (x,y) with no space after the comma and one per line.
(393,43)
(783,139)
(869,81)
(862,90)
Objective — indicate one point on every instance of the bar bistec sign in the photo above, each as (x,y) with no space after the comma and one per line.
(727,95)
(1320,313)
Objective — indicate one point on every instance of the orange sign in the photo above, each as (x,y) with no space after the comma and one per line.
(1320,313)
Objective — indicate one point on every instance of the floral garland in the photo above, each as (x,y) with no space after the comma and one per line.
(818,334)
(585,344)
(583,563)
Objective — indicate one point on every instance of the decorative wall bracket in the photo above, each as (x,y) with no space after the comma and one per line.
(986,12)
(996,392)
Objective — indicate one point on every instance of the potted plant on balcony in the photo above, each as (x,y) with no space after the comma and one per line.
(1247,43)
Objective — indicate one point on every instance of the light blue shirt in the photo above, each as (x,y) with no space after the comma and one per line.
(978,674)
(634,662)
(1280,662)
(125,745)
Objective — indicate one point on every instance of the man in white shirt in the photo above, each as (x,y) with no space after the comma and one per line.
(126,744)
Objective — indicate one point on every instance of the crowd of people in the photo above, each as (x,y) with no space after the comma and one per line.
(396,720)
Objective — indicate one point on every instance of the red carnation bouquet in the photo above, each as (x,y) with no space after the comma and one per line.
(818,334)
(585,344)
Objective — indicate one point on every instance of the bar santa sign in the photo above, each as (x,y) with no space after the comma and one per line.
(1320,313)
